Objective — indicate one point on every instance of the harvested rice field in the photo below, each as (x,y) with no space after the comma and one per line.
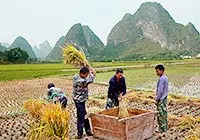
(184,112)
(17,86)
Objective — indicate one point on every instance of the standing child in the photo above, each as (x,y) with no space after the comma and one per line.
(161,98)
(80,96)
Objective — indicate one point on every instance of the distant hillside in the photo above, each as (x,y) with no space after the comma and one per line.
(23,44)
(80,36)
(36,50)
(56,52)
(151,32)
(2,48)
(43,50)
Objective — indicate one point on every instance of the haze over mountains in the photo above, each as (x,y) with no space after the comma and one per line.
(147,34)
(42,50)
(2,48)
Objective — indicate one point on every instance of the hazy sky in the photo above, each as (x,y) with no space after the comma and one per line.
(40,20)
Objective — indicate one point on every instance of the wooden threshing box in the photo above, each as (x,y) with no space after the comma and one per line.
(139,126)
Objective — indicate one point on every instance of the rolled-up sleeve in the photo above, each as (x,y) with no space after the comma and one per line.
(90,79)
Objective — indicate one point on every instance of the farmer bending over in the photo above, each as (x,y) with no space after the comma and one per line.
(116,90)
(56,95)
(161,98)
(80,96)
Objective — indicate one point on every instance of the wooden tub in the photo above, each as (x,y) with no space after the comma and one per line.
(139,126)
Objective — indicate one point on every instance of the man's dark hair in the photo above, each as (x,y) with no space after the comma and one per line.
(160,67)
(50,85)
(84,70)
(119,70)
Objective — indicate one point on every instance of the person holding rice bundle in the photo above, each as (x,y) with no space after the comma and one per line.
(80,96)
(161,98)
(77,58)
(116,90)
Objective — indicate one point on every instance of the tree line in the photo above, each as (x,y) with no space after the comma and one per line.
(14,56)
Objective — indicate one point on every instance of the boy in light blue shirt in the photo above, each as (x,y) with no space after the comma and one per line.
(161,98)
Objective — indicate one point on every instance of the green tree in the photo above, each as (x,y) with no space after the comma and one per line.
(17,55)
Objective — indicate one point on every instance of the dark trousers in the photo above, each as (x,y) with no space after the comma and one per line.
(63,102)
(81,121)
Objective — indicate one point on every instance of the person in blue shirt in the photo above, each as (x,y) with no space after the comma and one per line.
(116,90)
(161,98)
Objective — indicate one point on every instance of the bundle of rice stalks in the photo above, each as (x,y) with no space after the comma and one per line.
(192,138)
(123,111)
(37,132)
(194,134)
(93,110)
(146,97)
(177,98)
(96,102)
(173,120)
(74,57)
(54,124)
(187,122)
(173,117)
(34,107)
(56,121)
